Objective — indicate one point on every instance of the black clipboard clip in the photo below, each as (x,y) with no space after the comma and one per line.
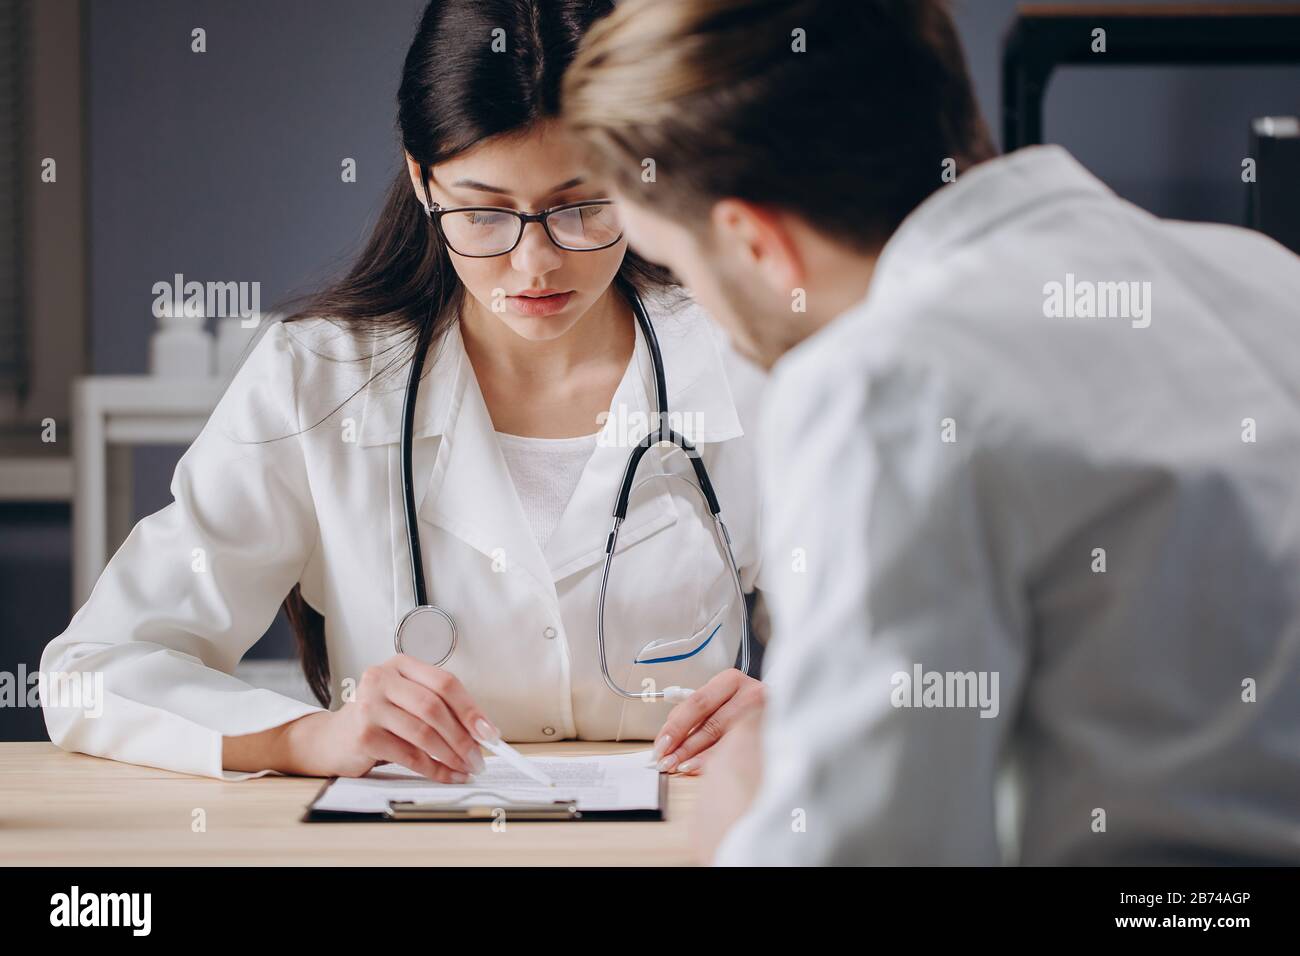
(414,810)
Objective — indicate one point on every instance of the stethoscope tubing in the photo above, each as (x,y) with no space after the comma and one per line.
(662,435)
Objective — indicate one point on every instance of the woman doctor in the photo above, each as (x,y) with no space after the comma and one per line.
(536,384)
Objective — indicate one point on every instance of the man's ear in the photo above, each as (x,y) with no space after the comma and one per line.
(759,242)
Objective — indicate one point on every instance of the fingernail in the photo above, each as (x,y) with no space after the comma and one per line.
(687,767)
(458,777)
(476,761)
(486,732)
(667,763)
(661,745)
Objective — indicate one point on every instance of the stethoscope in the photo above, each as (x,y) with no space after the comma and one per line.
(429,632)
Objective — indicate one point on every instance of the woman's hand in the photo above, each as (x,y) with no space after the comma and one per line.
(701,720)
(406,712)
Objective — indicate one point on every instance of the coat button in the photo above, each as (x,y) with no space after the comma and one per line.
(549,731)
(549,633)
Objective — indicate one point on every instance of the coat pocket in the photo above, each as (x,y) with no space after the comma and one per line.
(670,651)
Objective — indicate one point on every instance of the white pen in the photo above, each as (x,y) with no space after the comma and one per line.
(517,760)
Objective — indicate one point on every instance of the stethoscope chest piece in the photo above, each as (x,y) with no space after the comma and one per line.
(428,633)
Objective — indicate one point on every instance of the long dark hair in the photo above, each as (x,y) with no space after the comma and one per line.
(455,93)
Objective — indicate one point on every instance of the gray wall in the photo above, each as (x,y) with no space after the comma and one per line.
(1168,138)
(225,166)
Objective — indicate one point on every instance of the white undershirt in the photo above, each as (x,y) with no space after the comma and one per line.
(546,473)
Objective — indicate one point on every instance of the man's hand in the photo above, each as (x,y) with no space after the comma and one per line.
(685,741)
(735,771)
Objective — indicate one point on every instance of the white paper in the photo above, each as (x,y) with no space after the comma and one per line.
(606,782)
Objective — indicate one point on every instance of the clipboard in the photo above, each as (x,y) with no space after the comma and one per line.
(408,811)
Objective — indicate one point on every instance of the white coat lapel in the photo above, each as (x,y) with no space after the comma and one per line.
(390,364)
(469,492)
(579,537)
(460,479)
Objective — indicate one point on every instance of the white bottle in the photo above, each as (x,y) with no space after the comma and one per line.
(180,348)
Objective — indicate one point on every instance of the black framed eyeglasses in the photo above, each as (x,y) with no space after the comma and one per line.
(480,232)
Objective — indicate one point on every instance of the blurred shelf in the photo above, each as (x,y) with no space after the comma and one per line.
(1044,37)
(36,479)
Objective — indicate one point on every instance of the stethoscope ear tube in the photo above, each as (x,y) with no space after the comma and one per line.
(425,631)
(703,487)
(408,491)
(701,473)
(664,433)
(723,539)
(634,460)
(629,475)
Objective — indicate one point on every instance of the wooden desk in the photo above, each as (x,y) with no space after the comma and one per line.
(67,809)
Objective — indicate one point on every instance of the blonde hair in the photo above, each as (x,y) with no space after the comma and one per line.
(841,111)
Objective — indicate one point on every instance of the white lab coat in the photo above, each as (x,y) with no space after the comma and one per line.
(197,583)
(1105,516)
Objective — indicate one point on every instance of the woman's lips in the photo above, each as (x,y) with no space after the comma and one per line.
(539,305)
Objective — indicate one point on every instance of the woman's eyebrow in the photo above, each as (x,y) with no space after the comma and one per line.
(498,191)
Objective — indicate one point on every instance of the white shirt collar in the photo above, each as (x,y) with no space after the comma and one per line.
(986,195)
